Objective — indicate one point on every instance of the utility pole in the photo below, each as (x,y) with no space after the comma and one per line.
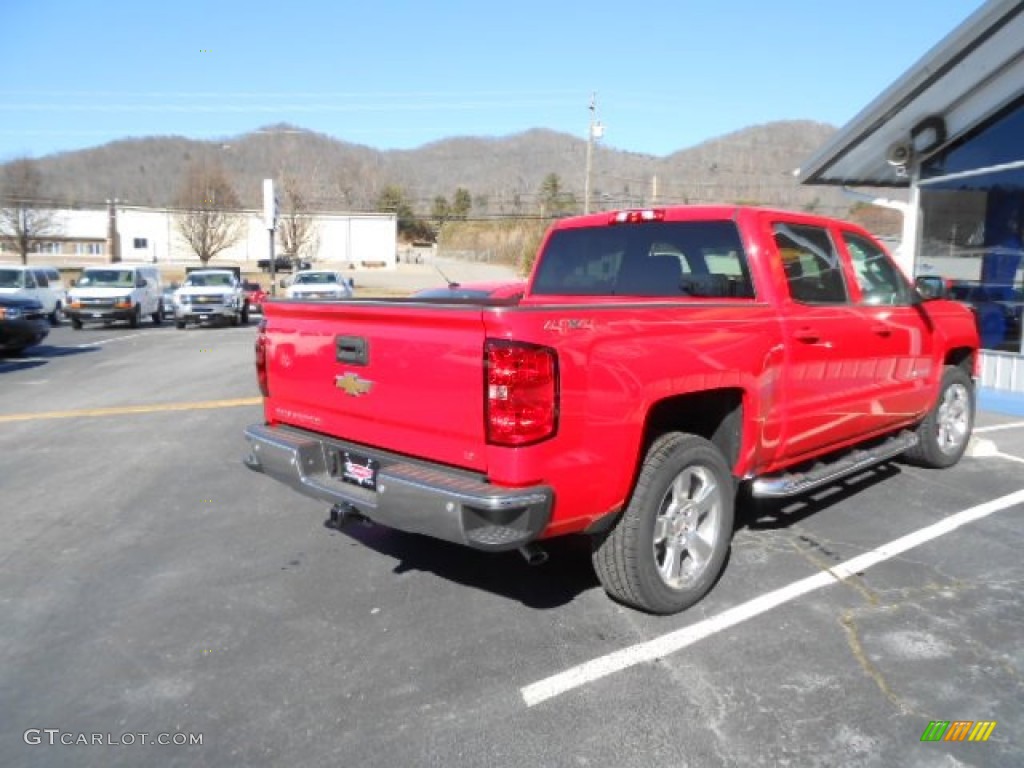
(270,211)
(112,234)
(594,131)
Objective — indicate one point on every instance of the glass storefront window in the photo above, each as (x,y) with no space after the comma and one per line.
(996,142)
(971,238)
(973,226)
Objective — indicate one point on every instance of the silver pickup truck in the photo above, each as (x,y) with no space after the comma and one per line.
(208,295)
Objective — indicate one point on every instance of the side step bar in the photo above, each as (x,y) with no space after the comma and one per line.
(795,483)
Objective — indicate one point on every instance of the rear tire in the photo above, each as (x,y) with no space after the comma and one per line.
(670,545)
(55,316)
(244,318)
(158,316)
(945,432)
(76,323)
(180,325)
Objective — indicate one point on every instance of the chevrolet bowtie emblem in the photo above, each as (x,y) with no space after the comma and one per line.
(351,384)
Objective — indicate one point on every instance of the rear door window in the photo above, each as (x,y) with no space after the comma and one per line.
(813,269)
(683,259)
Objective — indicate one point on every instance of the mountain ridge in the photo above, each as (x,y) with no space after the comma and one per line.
(503,174)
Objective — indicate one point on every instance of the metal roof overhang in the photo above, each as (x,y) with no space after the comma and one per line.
(974,72)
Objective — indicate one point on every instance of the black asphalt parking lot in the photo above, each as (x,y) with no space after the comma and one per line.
(150,584)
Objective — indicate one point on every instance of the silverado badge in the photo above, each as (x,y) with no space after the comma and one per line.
(565,324)
(351,384)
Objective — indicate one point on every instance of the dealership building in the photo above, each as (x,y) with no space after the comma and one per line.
(950,132)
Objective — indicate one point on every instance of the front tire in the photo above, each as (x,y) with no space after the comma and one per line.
(944,433)
(158,316)
(670,545)
(76,323)
(55,316)
(133,321)
(244,318)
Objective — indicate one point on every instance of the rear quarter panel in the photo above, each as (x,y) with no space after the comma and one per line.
(616,361)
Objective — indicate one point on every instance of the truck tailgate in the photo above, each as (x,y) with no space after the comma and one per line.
(398,376)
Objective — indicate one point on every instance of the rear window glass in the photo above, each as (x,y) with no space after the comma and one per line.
(316,278)
(209,280)
(679,259)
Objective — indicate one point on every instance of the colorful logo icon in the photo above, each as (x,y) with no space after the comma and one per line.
(958,730)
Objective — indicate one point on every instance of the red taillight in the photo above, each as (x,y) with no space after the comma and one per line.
(636,217)
(522,392)
(261,359)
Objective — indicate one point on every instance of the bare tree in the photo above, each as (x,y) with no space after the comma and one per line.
(298,233)
(209,222)
(24,215)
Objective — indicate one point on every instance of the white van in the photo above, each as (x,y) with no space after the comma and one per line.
(55,283)
(32,282)
(116,292)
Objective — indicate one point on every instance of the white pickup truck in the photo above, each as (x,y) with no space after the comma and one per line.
(210,294)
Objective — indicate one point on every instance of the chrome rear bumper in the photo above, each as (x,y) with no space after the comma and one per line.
(410,495)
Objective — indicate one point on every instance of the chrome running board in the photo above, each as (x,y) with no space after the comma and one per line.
(795,483)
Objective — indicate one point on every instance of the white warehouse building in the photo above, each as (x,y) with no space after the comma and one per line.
(85,236)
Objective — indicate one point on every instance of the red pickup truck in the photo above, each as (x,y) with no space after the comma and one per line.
(658,362)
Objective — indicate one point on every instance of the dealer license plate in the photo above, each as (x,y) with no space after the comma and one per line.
(358,470)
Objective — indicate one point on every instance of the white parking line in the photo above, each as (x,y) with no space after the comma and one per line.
(660,647)
(983,449)
(1000,427)
(110,340)
(1007,456)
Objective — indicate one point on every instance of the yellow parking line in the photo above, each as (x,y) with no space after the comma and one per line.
(126,409)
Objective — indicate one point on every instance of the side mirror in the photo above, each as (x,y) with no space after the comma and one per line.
(930,287)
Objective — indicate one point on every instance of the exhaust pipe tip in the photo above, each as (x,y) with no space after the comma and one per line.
(533,554)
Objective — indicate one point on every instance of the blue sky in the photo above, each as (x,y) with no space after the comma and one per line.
(397,75)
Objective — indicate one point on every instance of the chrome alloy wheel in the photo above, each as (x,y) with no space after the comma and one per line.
(687,526)
(953,418)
